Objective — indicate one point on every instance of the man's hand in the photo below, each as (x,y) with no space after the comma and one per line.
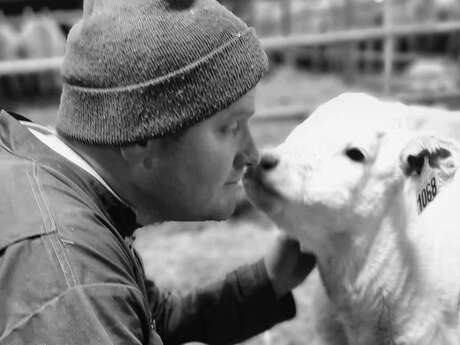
(286,265)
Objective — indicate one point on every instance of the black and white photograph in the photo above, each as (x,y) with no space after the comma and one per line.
(255,172)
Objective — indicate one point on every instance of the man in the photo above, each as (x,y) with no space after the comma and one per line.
(152,126)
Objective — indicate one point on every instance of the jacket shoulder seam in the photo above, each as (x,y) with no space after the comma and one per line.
(49,225)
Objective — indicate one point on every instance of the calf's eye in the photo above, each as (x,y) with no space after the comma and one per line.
(355,154)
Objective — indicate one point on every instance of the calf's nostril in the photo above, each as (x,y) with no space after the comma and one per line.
(268,162)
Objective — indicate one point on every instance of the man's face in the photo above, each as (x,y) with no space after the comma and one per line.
(195,176)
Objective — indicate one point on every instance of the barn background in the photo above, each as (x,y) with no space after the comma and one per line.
(403,49)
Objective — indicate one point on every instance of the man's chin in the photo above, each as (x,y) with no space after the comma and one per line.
(223,208)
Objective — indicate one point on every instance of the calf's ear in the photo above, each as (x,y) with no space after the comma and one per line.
(439,153)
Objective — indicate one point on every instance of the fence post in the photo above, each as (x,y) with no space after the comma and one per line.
(286,17)
(286,29)
(389,46)
(349,49)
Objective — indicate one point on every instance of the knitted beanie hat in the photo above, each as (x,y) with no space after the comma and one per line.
(139,69)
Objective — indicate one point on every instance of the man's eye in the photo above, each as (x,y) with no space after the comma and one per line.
(233,128)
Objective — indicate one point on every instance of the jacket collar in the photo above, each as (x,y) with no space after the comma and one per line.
(17,139)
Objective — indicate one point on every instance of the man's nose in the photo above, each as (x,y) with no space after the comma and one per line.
(268,161)
(248,156)
(252,153)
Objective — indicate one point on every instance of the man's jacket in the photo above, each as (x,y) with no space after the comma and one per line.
(69,276)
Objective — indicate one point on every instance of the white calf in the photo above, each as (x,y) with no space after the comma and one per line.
(379,205)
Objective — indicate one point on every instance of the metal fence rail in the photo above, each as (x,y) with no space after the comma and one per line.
(354,35)
(27,66)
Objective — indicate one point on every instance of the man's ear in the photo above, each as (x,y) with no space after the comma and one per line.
(441,154)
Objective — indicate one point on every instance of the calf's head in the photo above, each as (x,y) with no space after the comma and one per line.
(346,167)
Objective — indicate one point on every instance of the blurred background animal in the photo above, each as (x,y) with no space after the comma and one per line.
(40,37)
(8,51)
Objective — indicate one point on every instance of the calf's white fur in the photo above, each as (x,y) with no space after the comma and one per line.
(345,183)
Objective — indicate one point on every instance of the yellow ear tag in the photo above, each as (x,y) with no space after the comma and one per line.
(428,187)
